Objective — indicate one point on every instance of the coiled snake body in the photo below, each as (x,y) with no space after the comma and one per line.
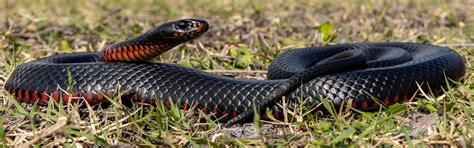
(366,73)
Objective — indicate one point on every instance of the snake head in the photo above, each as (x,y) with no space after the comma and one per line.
(155,41)
(182,30)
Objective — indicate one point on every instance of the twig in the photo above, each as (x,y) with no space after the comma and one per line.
(238,71)
(62,121)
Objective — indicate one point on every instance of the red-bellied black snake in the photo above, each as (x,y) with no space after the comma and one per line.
(362,72)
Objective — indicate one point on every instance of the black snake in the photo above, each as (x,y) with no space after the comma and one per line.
(388,72)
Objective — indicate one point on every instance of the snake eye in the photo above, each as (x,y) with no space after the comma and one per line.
(182,25)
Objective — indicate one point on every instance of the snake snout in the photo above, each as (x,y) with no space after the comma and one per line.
(200,25)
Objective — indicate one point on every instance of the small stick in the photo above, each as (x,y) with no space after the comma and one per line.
(62,121)
(238,71)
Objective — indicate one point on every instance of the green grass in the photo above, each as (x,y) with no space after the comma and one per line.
(244,36)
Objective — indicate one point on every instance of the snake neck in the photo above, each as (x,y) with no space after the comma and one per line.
(141,48)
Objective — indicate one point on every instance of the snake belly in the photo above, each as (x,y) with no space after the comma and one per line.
(64,76)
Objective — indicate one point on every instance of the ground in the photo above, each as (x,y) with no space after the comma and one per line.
(243,39)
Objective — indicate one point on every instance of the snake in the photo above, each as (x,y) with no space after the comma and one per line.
(364,76)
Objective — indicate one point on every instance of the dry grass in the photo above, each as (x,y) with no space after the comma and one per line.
(244,37)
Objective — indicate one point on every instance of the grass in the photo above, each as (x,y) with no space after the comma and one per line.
(245,36)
